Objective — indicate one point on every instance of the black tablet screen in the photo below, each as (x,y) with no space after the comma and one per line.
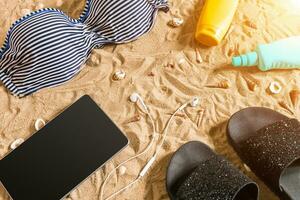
(62,154)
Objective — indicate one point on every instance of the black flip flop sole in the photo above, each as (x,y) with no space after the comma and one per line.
(244,125)
(188,157)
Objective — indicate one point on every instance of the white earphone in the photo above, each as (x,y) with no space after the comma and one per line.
(135,98)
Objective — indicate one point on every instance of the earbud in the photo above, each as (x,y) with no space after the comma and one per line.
(193,103)
(135,97)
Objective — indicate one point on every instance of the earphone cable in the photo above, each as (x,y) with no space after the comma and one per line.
(151,161)
(165,131)
(124,162)
(124,188)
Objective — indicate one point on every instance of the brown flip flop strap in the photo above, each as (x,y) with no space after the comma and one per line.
(213,179)
(272,149)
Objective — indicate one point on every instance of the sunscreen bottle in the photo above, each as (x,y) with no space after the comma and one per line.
(282,54)
(214,21)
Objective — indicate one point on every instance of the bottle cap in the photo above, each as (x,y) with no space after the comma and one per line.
(208,35)
(249,59)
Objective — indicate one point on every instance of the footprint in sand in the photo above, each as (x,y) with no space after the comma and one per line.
(172,36)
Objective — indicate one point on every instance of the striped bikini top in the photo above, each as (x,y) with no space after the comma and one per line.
(47,48)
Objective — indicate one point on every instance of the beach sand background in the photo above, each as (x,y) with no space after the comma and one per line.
(163,67)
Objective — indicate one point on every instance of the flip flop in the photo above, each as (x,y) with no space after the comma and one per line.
(195,172)
(269,143)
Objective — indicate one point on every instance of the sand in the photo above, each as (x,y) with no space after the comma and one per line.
(164,87)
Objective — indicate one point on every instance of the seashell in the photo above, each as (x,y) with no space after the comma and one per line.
(285,106)
(151,74)
(59,3)
(294,96)
(201,114)
(252,83)
(198,57)
(233,50)
(175,22)
(275,87)
(170,65)
(251,24)
(247,168)
(122,170)
(164,88)
(251,78)
(39,123)
(223,85)
(25,11)
(133,119)
(119,75)
(16,143)
(181,61)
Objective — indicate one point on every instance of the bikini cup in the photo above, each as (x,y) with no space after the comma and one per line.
(47,48)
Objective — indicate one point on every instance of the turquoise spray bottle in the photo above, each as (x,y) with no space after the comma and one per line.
(282,54)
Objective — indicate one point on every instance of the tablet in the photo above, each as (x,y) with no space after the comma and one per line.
(62,154)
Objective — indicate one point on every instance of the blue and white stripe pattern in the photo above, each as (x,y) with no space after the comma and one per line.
(47,48)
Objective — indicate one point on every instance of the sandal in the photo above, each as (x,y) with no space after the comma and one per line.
(269,143)
(195,172)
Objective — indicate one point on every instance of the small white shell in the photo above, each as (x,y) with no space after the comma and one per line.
(119,75)
(176,22)
(16,143)
(181,61)
(198,57)
(39,123)
(247,168)
(275,87)
(122,170)
(25,11)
